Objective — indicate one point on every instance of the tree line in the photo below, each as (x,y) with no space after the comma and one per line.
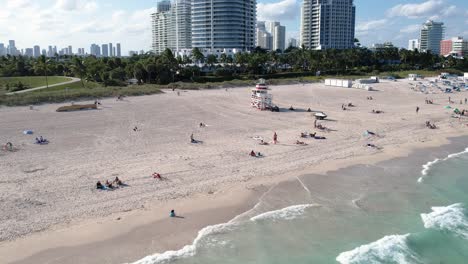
(165,68)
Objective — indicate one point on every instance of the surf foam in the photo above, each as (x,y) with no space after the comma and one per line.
(390,249)
(450,218)
(427,167)
(287,213)
(189,250)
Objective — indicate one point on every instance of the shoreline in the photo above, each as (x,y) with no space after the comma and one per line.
(224,206)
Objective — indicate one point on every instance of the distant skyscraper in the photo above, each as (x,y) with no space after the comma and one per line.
(55,50)
(413,44)
(111,50)
(431,35)
(180,26)
(50,52)
(44,52)
(328,24)
(95,50)
(279,38)
(264,38)
(70,50)
(224,25)
(37,51)
(292,42)
(2,49)
(119,50)
(105,50)
(12,48)
(29,52)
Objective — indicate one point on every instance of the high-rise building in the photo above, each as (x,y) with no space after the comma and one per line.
(224,25)
(292,42)
(29,52)
(70,50)
(264,39)
(55,50)
(2,49)
(12,48)
(163,6)
(44,52)
(413,44)
(111,50)
(180,25)
(431,35)
(95,50)
(160,29)
(279,38)
(37,51)
(105,50)
(50,52)
(328,24)
(276,31)
(119,50)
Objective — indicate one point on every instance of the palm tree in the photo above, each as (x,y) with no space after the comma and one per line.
(42,63)
(79,69)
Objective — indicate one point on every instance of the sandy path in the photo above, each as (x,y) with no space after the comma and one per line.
(72,80)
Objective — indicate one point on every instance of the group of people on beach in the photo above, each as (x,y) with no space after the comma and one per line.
(430,125)
(116,183)
(41,141)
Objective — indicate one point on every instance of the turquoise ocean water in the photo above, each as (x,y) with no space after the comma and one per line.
(401,211)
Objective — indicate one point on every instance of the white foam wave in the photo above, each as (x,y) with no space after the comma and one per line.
(189,250)
(287,213)
(390,249)
(450,218)
(427,167)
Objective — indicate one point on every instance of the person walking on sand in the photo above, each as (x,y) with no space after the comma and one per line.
(275,138)
(417,109)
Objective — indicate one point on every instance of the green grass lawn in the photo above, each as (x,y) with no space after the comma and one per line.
(31,81)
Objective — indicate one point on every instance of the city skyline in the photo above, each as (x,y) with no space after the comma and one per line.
(61,21)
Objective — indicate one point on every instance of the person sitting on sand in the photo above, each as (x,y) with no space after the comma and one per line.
(351,105)
(8,146)
(309,110)
(157,176)
(303,135)
(172,214)
(202,125)
(300,143)
(291,108)
(263,143)
(371,145)
(253,154)
(192,140)
(118,182)
(312,135)
(99,186)
(135,129)
(109,185)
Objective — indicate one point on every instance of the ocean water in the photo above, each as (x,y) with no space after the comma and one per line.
(409,210)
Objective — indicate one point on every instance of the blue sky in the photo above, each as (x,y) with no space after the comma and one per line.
(83,22)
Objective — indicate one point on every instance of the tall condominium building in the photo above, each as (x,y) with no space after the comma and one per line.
(223,25)
(171,26)
(160,29)
(70,50)
(431,35)
(119,50)
(264,39)
(12,48)
(413,44)
(180,25)
(111,50)
(105,50)
(278,34)
(29,52)
(328,24)
(50,52)
(44,52)
(37,51)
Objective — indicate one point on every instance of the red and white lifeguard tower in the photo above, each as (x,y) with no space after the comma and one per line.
(260,98)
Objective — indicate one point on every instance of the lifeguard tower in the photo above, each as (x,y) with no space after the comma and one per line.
(260,98)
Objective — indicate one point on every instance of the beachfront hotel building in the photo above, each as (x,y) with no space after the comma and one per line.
(328,24)
(431,35)
(224,26)
(455,46)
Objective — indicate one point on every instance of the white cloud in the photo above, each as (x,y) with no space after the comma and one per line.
(421,10)
(411,28)
(279,11)
(370,25)
(76,5)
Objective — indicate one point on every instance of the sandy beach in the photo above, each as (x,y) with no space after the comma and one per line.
(51,211)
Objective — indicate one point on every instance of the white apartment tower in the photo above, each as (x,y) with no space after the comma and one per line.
(224,26)
(264,39)
(328,24)
(160,28)
(432,33)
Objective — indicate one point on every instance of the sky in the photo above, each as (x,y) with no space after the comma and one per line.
(82,22)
